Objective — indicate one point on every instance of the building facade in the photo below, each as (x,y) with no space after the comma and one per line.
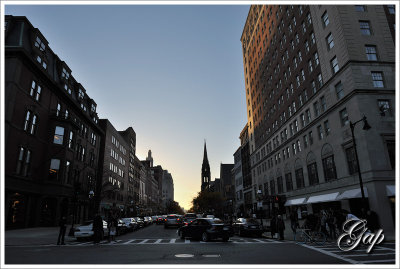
(167,188)
(238,181)
(114,158)
(51,132)
(310,72)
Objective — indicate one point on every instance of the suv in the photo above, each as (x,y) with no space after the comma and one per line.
(173,220)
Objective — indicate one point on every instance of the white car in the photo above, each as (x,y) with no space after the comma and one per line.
(86,230)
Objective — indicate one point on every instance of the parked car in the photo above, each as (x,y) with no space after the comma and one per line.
(173,220)
(154,218)
(247,226)
(139,221)
(188,218)
(160,220)
(206,229)
(122,228)
(131,224)
(86,230)
(149,220)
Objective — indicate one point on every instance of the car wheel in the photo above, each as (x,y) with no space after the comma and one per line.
(225,238)
(182,235)
(205,237)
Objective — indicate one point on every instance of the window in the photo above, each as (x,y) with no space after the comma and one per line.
(30,122)
(320,82)
(272,186)
(360,8)
(313,87)
(305,141)
(294,148)
(377,79)
(325,19)
(58,135)
(308,116)
(310,66)
(370,50)
(280,184)
(71,140)
(289,182)
(320,132)
(313,173)
(334,65)
(298,145)
(316,58)
(67,172)
(41,61)
(365,28)
(309,18)
(81,94)
(384,107)
(39,44)
(391,9)
(67,89)
(339,90)
(23,162)
(326,127)
(328,164)
(351,160)
(317,111)
(65,74)
(391,149)
(323,103)
(35,90)
(344,117)
(296,125)
(54,169)
(312,36)
(310,135)
(306,46)
(305,95)
(329,41)
(58,111)
(299,178)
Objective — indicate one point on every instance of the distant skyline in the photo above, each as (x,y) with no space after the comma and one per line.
(173,73)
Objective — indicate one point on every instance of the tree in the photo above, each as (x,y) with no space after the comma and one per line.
(208,202)
(173,207)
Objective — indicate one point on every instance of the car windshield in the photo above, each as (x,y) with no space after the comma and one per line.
(171,217)
(251,221)
(216,221)
(87,223)
(190,215)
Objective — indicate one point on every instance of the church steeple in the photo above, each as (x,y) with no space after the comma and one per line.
(205,171)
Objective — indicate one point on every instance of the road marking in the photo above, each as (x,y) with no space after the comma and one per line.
(258,240)
(211,255)
(373,261)
(184,255)
(202,242)
(367,255)
(330,254)
(172,241)
(187,241)
(128,242)
(158,241)
(144,241)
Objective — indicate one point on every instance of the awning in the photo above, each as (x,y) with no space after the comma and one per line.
(390,190)
(322,198)
(354,193)
(297,201)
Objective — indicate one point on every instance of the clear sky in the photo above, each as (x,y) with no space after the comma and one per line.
(174,73)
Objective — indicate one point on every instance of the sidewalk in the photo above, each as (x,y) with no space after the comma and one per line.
(35,236)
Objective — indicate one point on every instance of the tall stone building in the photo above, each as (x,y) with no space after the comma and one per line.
(205,171)
(52,136)
(310,73)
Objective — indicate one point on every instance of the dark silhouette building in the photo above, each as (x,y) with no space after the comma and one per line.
(205,171)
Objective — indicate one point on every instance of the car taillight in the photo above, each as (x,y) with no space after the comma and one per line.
(178,219)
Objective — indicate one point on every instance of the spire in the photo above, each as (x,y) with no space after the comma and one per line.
(205,153)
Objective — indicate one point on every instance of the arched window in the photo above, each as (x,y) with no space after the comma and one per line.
(288,178)
(328,162)
(312,169)
(298,170)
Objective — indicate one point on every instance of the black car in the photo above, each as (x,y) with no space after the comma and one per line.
(188,218)
(140,222)
(206,229)
(247,226)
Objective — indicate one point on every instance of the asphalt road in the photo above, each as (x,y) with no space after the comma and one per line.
(156,245)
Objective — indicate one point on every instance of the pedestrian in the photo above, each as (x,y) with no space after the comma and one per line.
(331,221)
(112,229)
(280,225)
(323,222)
(372,220)
(294,222)
(97,229)
(63,227)
(273,226)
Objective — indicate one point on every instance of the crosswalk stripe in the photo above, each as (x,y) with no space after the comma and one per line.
(158,241)
(374,261)
(129,241)
(187,241)
(144,241)
(172,241)
(258,240)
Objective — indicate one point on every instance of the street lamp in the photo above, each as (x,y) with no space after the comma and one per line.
(259,204)
(365,127)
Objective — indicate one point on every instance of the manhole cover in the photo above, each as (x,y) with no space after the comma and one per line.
(211,255)
(184,255)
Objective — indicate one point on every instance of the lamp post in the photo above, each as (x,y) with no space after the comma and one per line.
(365,127)
(259,205)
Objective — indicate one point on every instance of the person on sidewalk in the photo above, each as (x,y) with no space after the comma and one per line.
(280,225)
(63,227)
(294,222)
(97,229)
(273,226)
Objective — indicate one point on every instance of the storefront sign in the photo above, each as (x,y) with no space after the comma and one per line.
(356,232)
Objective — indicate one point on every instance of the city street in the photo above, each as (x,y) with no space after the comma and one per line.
(156,245)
